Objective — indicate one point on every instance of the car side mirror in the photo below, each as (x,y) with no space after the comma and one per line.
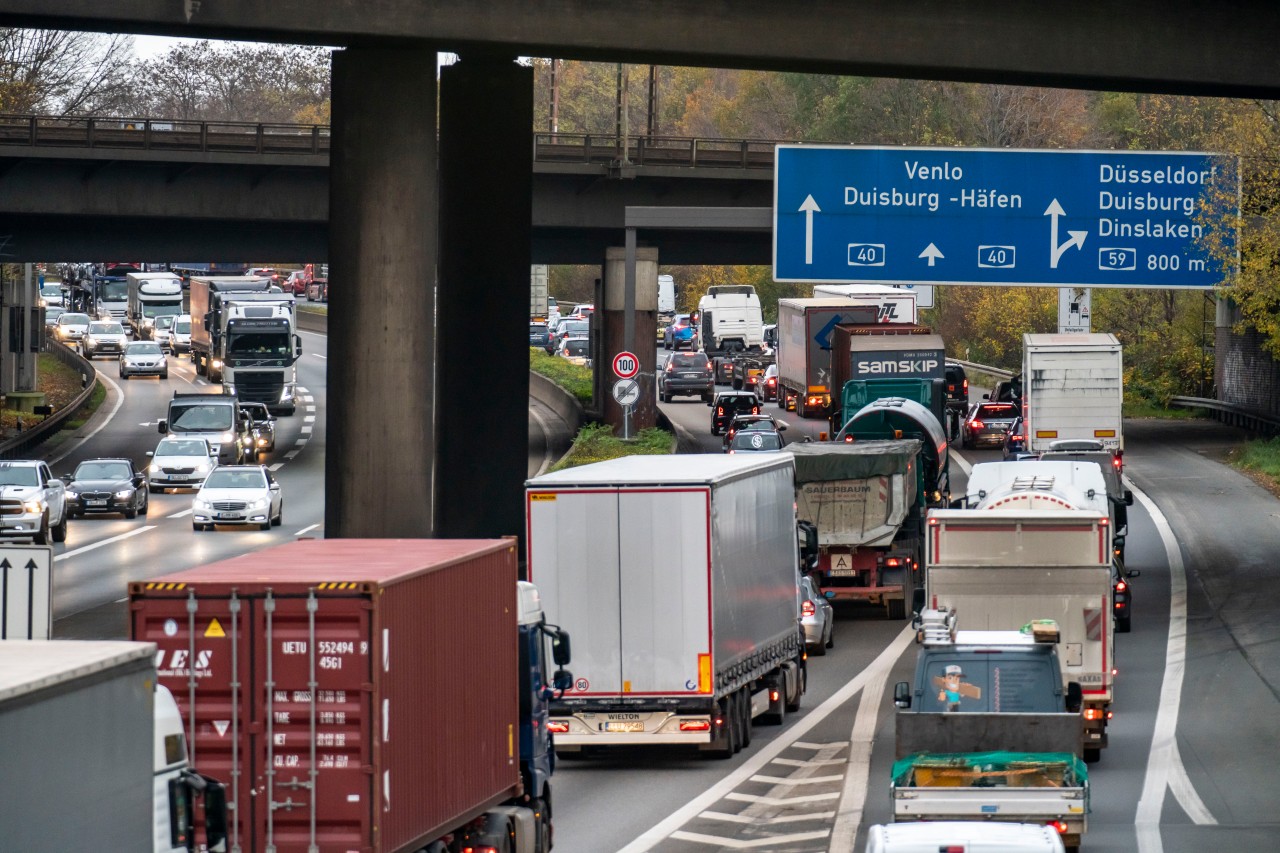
(162,426)
(560,649)
(151,454)
(902,694)
(917,601)
(297,346)
(986,396)
(1128,498)
(215,815)
(1133,573)
(562,680)
(782,427)
(1075,697)
(137,481)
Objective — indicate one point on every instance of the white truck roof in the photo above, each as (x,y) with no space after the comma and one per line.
(1056,484)
(30,665)
(1093,340)
(683,470)
(969,836)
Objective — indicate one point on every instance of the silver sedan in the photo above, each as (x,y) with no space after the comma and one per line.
(143,358)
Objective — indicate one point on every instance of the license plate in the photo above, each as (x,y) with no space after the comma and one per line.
(96,503)
(228,515)
(690,375)
(633,726)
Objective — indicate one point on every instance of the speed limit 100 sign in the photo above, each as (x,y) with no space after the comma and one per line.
(626,365)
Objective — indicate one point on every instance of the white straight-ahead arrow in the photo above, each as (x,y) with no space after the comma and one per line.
(931,252)
(809,207)
(1077,237)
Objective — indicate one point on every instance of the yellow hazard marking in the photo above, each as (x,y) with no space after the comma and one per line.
(541,497)
(511,740)
(166,586)
(1046,433)
(337,585)
(215,629)
(1104,433)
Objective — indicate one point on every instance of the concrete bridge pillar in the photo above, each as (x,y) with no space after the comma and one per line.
(482,370)
(383,218)
(611,326)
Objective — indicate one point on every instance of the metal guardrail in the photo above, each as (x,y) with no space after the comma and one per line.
(982,368)
(1233,414)
(142,134)
(608,150)
(18,446)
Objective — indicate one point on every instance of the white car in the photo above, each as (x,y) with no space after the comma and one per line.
(238,494)
(180,336)
(163,328)
(71,327)
(575,350)
(143,358)
(51,295)
(179,463)
(104,337)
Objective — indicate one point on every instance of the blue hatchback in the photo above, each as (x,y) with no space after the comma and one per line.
(538,335)
(680,333)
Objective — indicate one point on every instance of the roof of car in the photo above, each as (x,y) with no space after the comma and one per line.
(735,393)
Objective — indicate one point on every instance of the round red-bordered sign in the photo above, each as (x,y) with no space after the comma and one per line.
(626,365)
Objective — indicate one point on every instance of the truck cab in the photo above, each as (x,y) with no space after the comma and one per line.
(177,786)
(218,419)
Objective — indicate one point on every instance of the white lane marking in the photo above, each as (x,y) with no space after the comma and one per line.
(77,444)
(306,530)
(121,600)
(778,801)
(963,463)
(546,442)
(722,789)
(817,746)
(318,355)
(1164,765)
(788,780)
(311,408)
(276,467)
(309,418)
(810,762)
(300,442)
(854,796)
(64,555)
(306,429)
(304,390)
(791,818)
(739,844)
(291,454)
(182,514)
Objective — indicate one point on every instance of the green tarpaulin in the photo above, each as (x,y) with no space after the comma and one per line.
(827,461)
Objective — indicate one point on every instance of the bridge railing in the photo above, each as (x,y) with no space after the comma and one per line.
(150,134)
(608,150)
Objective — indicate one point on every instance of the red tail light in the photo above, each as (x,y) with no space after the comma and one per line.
(558,727)
(695,726)
(1093,713)
(1016,437)
(1121,586)
(755,410)
(1060,825)
(719,410)
(975,424)
(772,382)
(807,609)
(1117,462)
(709,367)
(893,562)
(848,439)
(671,368)
(966,385)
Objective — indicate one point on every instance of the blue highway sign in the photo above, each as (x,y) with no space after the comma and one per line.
(978,216)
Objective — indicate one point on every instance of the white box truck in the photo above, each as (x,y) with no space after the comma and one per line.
(1002,569)
(892,304)
(94,752)
(1073,389)
(152,295)
(677,577)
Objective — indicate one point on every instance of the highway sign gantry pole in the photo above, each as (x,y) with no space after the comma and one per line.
(1005,217)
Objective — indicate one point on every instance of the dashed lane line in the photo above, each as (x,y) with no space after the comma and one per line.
(74,445)
(306,530)
(276,467)
(182,514)
(791,780)
(739,844)
(749,819)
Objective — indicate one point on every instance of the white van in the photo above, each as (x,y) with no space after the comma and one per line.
(966,836)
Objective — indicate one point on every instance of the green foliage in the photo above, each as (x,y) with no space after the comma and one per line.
(1261,456)
(596,443)
(574,378)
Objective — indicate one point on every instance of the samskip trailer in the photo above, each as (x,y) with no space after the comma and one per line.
(677,576)
(380,695)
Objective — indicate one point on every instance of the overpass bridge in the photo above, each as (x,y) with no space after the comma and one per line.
(101,186)
(432,182)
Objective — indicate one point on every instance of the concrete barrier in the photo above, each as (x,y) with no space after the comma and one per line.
(313,321)
(558,400)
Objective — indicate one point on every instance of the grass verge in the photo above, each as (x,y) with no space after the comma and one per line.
(312,307)
(574,378)
(1260,459)
(596,443)
(1139,408)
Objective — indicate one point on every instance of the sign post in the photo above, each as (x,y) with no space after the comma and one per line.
(1004,217)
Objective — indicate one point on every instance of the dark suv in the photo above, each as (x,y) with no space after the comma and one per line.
(686,373)
(727,404)
(957,388)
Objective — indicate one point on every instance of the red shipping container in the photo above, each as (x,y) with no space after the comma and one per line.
(379,673)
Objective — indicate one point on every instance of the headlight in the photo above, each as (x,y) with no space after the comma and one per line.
(231,388)
(153,468)
(203,466)
(72,494)
(260,503)
(262,442)
(124,494)
(34,506)
(201,503)
(227,436)
(217,363)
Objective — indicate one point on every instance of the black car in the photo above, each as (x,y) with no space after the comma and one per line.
(1122,595)
(686,373)
(1007,391)
(106,485)
(767,425)
(957,387)
(727,404)
(1015,440)
(264,426)
(987,424)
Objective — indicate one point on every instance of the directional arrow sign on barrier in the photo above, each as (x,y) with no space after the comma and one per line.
(975,216)
(26,592)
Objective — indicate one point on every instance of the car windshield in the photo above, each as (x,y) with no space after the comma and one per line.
(161,309)
(689,359)
(164,321)
(754,439)
(575,348)
(761,424)
(225,478)
(143,348)
(113,291)
(103,471)
(264,344)
(51,291)
(73,320)
(199,416)
(182,447)
(574,326)
(537,329)
(182,327)
(257,411)
(53,313)
(17,475)
(106,329)
(739,401)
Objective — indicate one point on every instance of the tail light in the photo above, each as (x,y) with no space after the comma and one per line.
(719,410)
(966,386)
(1016,438)
(1093,713)
(709,367)
(671,368)
(807,609)
(696,725)
(975,424)
(1121,586)
(1120,605)
(772,382)
(755,410)
(1117,463)
(558,728)
(893,562)
(848,439)
(1059,825)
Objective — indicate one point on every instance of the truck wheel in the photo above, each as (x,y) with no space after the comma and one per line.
(1092,756)
(801,411)
(896,608)
(733,718)
(199,365)
(542,827)
(792,704)
(745,704)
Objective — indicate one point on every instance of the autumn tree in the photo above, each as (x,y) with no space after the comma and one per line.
(61,73)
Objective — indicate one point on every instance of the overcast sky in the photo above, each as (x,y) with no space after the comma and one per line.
(149,47)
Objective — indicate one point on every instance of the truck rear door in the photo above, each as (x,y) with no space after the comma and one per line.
(578,578)
(665,591)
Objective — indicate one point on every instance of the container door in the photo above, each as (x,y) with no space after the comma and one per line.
(206,663)
(295,731)
(573,559)
(665,592)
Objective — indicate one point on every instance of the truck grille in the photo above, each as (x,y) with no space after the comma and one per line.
(260,387)
(228,506)
(9,506)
